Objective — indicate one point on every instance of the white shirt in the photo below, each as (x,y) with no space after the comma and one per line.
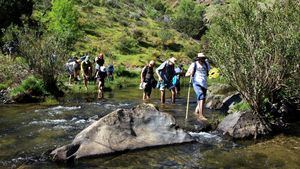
(200,76)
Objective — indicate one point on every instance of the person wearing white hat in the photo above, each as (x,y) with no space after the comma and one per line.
(165,73)
(100,76)
(198,71)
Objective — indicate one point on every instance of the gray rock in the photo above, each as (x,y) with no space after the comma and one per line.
(230,101)
(206,138)
(214,101)
(124,129)
(221,96)
(243,125)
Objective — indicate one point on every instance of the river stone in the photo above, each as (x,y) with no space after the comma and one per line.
(124,129)
(243,125)
(221,96)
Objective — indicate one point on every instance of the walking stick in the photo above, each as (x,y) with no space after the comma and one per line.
(188,100)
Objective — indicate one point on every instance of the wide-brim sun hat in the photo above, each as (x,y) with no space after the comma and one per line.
(173,60)
(201,55)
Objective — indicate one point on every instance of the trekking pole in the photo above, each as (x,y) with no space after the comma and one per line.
(188,100)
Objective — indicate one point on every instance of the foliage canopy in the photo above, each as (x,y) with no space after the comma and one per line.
(256,46)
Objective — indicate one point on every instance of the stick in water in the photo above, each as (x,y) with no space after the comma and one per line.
(188,100)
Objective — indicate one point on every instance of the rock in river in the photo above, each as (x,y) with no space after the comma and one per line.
(124,129)
(243,125)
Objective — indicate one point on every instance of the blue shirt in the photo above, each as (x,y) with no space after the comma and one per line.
(166,71)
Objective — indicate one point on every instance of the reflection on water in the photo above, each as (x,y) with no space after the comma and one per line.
(27,132)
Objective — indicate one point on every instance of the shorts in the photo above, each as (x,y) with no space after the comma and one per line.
(165,85)
(200,91)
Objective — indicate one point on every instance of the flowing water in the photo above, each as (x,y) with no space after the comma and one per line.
(28,132)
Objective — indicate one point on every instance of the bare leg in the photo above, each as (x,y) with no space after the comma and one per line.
(100,90)
(144,96)
(85,81)
(201,109)
(173,95)
(162,96)
(147,96)
(70,79)
(197,109)
(176,91)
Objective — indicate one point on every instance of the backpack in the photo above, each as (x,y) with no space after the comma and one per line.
(145,71)
(195,67)
(153,81)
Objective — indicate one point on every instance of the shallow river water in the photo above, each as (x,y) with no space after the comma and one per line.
(29,131)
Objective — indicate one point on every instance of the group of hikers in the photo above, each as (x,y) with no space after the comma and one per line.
(168,77)
(75,66)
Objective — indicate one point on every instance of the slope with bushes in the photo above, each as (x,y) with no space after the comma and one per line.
(131,32)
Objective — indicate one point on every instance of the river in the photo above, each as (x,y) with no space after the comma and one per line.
(28,131)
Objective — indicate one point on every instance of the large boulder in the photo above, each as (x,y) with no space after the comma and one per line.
(221,97)
(243,125)
(124,129)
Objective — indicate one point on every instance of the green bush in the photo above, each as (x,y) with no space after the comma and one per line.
(256,46)
(63,20)
(127,45)
(44,54)
(241,106)
(32,85)
(111,3)
(188,18)
(121,71)
(191,50)
(3,86)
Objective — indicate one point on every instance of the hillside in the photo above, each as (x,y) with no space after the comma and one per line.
(130,32)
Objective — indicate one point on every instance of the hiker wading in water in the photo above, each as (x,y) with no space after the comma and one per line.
(165,73)
(100,76)
(86,67)
(99,61)
(147,79)
(198,72)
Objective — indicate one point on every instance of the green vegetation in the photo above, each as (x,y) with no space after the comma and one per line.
(255,45)
(11,11)
(44,54)
(31,85)
(63,20)
(241,106)
(3,86)
(188,18)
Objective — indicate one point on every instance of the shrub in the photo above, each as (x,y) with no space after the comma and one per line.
(32,85)
(241,106)
(137,34)
(256,47)
(3,86)
(188,18)
(127,45)
(165,36)
(63,19)
(121,71)
(110,3)
(191,50)
(44,54)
